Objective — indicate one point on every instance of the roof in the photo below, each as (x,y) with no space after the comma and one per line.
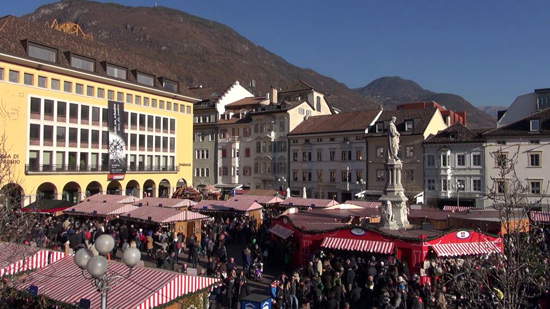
(522,127)
(101,209)
(234,120)
(239,203)
(298,85)
(104,198)
(308,202)
(164,202)
(262,192)
(457,133)
(343,122)
(420,117)
(245,102)
(145,288)
(364,204)
(309,221)
(15,258)
(14,30)
(163,215)
(262,199)
(48,206)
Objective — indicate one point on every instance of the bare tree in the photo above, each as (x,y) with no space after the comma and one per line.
(519,275)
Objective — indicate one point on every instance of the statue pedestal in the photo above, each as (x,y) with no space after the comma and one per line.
(395,207)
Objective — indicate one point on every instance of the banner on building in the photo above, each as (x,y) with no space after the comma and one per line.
(117,138)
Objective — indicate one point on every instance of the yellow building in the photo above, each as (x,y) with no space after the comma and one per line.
(77,123)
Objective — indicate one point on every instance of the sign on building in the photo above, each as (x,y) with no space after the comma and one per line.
(117,138)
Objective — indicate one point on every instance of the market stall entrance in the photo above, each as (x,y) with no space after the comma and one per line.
(361,245)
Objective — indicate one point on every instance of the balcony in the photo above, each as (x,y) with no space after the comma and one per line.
(83,168)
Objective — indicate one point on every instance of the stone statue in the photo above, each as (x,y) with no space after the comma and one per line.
(388,212)
(393,140)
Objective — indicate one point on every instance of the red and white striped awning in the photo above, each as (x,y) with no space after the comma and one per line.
(145,288)
(281,231)
(456,208)
(15,258)
(540,216)
(350,244)
(467,248)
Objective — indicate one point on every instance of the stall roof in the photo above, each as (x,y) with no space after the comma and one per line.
(281,231)
(540,216)
(261,199)
(362,245)
(100,209)
(165,202)
(364,204)
(104,198)
(145,288)
(309,202)
(15,258)
(237,203)
(163,215)
(467,248)
(47,206)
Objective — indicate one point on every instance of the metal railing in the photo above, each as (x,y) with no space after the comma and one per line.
(52,168)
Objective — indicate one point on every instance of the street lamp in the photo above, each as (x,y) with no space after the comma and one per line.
(97,266)
(459,187)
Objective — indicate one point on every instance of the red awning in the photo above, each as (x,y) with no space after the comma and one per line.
(362,245)
(540,216)
(16,258)
(281,231)
(467,248)
(456,208)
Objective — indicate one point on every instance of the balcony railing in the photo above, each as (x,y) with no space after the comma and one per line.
(69,168)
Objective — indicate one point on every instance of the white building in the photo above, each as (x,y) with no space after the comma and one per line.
(525,105)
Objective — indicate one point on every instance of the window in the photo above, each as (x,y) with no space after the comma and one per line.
(129,98)
(34,134)
(409,151)
(169,105)
(95,138)
(358,155)
(460,185)
(153,102)
(380,152)
(110,95)
(476,185)
(83,63)
(169,85)
(319,155)
(120,97)
(1,73)
(380,175)
(90,91)
(294,153)
(79,89)
(318,104)
(138,100)
(61,111)
(42,81)
(84,137)
(34,159)
(501,159)
(476,159)
(145,79)
(409,175)
(84,114)
(534,186)
(48,109)
(534,125)
(116,71)
(409,125)
(247,152)
(145,101)
(41,52)
(28,79)
(379,127)
(501,186)
(73,113)
(73,137)
(430,160)
(55,84)
(444,184)
(332,155)
(60,136)
(332,176)
(161,104)
(534,159)
(444,160)
(67,86)
(188,109)
(460,160)
(14,76)
(36,108)
(430,184)
(95,115)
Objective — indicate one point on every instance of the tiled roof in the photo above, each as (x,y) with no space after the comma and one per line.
(457,133)
(234,120)
(357,121)
(13,32)
(110,198)
(420,117)
(163,215)
(236,204)
(308,202)
(522,127)
(245,102)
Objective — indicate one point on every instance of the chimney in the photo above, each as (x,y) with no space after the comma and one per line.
(273,97)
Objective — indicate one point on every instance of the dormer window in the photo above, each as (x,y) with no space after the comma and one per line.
(379,127)
(145,79)
(534,125)
(41,52)
(82,63)
(409,125)
(169,85)
(116,71)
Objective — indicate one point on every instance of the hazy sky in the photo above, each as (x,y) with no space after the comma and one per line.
(487,51)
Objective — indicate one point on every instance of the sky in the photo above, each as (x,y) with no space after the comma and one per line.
(487,51)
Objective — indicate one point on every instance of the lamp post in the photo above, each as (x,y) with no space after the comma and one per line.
(459,186)
(95,267)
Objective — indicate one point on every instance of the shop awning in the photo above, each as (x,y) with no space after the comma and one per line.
(540,216)
(456,208)
(362,245)
(281,231)
(467,248)
(16,258)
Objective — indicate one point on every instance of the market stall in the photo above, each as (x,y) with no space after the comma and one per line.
(144,288)
(237,206)
(176,203)
(15,258)
(308,202)
(106,210)
(177,221)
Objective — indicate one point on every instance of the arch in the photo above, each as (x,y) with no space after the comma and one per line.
(132,188)
(181,183)
(71,192)
(93,187)
(164,188)
(12,195)
(149,188)
(46,191)
(114,187)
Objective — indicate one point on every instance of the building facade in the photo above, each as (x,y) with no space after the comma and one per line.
(205,139)
(454,173)
(525,105)
(414,125)
(75,125)
(328,155)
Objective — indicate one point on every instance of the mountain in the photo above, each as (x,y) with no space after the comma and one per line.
(198,51)
(492,110)
(393,90)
